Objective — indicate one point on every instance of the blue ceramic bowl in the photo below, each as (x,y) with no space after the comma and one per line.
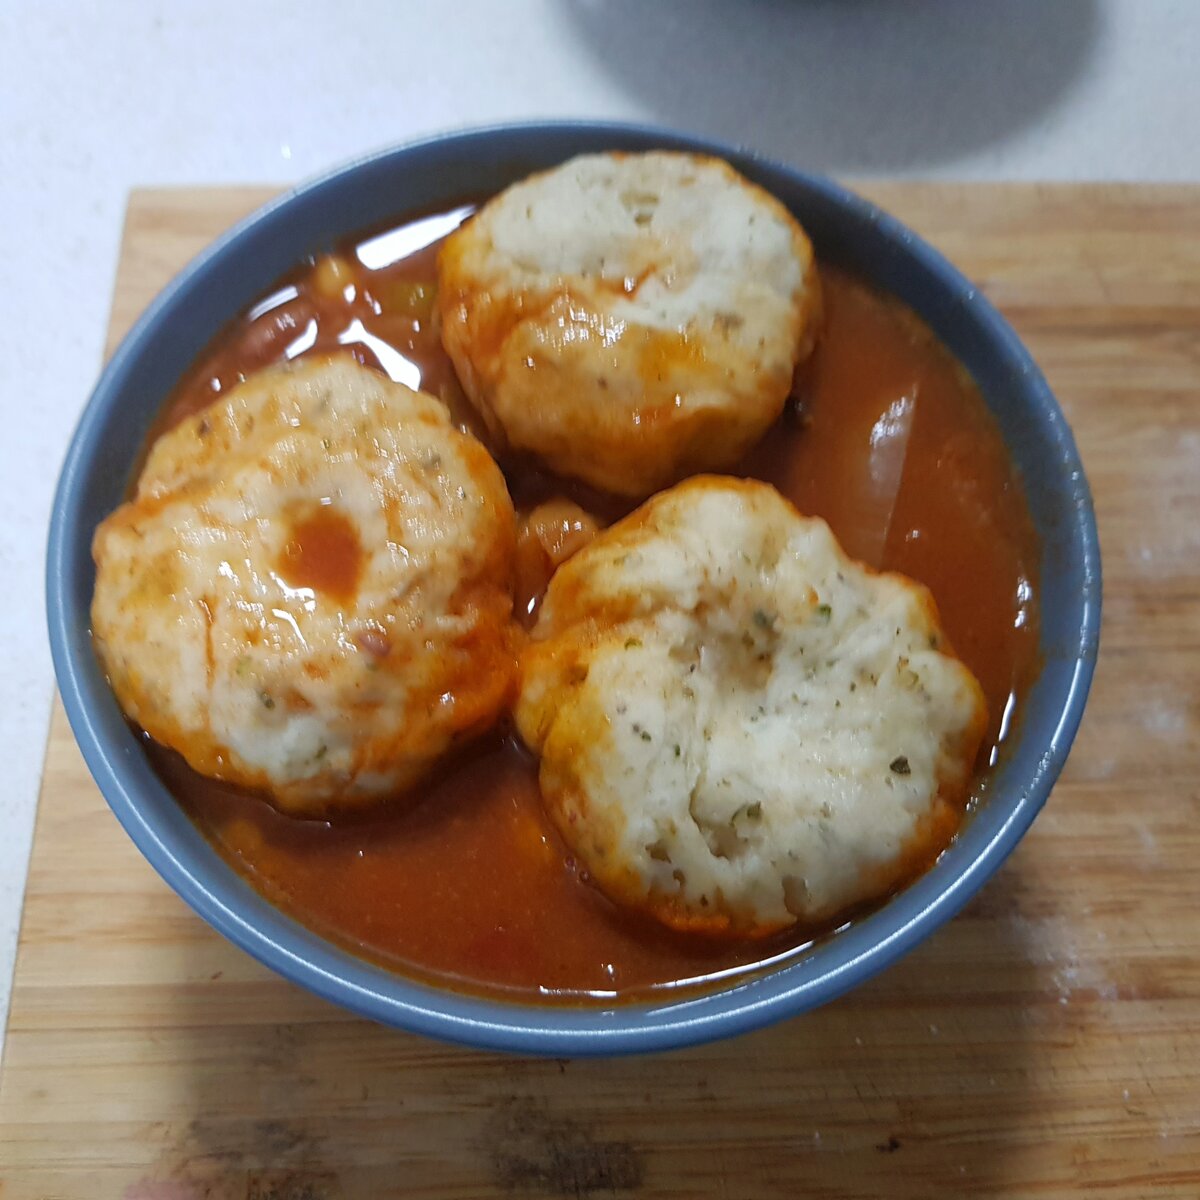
(438,172)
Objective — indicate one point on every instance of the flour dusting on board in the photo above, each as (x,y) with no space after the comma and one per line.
(1074,966)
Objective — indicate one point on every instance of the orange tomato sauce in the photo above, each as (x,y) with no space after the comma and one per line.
(467,882)
(323,553)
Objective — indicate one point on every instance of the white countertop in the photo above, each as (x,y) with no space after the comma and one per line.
(96,99)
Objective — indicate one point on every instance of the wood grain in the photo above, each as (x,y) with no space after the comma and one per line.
(1046,1043)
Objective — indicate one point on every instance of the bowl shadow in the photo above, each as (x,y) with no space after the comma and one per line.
(915,1085)
(852,86)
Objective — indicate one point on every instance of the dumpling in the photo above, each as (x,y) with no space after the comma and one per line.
(629,318)
(311,591)
(740,727)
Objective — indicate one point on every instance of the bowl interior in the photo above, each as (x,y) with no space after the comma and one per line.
(440,172)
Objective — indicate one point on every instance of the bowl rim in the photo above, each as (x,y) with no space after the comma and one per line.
(391,997)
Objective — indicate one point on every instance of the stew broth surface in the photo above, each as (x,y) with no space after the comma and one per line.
(886,437)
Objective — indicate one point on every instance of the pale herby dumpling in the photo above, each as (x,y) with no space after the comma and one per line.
(629,318)
(310,593)
(739,727)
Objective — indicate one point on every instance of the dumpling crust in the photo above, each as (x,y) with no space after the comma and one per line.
(629,318)
(311,591)
(739,726)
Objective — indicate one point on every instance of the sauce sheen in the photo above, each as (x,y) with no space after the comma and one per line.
(323,553)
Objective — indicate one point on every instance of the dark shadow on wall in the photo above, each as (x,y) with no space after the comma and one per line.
(855,86)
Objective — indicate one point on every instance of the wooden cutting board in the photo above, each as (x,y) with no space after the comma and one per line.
(1045,1043)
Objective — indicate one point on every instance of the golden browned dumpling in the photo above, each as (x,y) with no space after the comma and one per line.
(311,591)
(740,727)
(629,318)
